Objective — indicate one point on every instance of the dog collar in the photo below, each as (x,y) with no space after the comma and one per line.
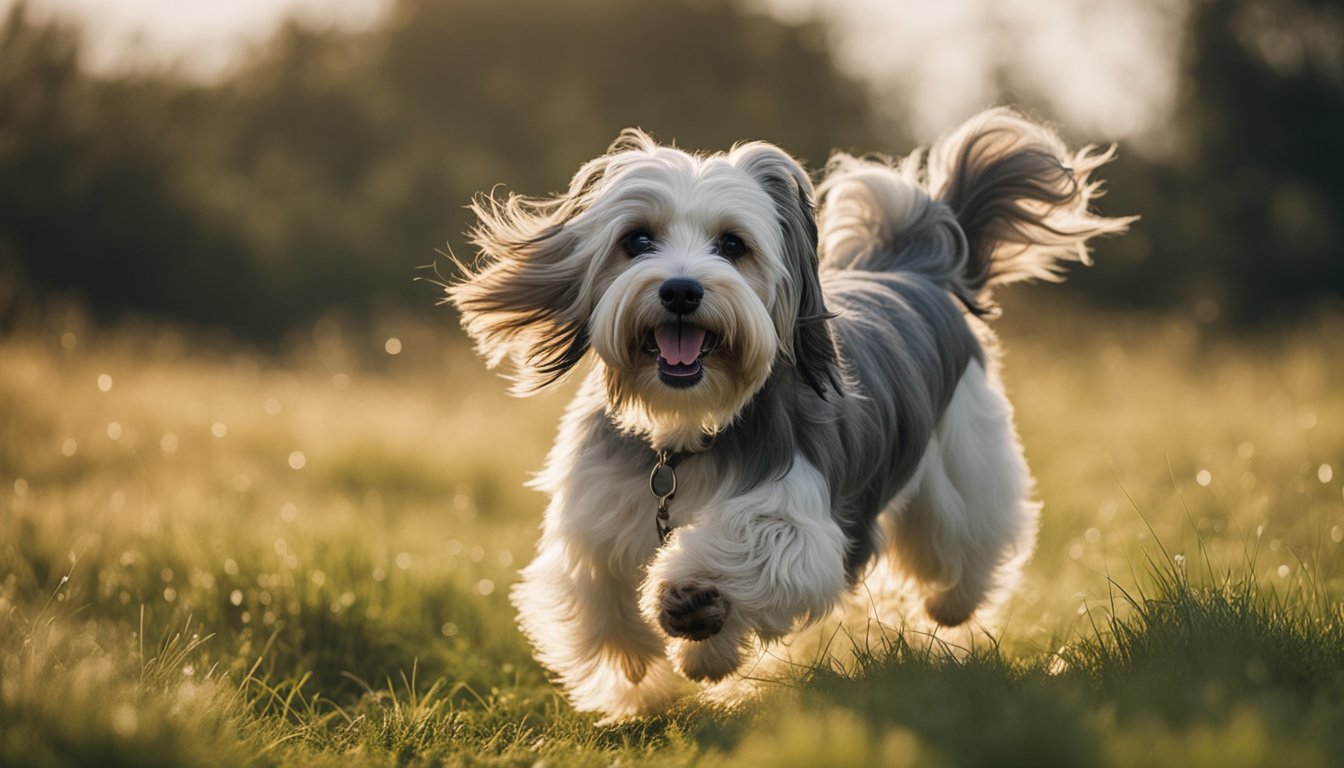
(663,485)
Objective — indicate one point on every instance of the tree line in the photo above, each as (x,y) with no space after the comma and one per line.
(318,175)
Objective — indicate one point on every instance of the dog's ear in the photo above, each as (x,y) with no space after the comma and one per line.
(529,296)
(813,351)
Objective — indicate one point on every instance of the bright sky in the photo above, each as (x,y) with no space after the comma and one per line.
(1107,68)
(203,37)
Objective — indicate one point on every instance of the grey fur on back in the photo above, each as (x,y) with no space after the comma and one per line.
(906,253)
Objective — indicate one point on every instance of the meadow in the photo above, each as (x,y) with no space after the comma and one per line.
(211,555)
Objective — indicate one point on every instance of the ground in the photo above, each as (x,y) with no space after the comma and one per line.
(211,555)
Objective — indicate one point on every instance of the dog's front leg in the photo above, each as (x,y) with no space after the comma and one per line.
(584,622)
(578,600)
(760,562)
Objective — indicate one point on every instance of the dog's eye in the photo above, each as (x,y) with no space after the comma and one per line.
(731,247)
(638,242)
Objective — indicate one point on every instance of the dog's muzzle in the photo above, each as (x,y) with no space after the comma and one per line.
(680,347)
(681,344)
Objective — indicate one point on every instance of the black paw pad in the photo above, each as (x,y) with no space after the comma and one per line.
(692,611)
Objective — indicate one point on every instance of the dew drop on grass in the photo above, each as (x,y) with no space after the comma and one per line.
(393,346)
(69,447)
(1307,419)
(20,486)
(288,512)
(404,561)
(1337,534)
(379,574)
(104,382)
(168,443)
(219,429)
(297,460)
(505,558)
(1058,665)
(170,594)
(1093,535)
(114,431)
(1204,477)
(1075,551)
(477,553)
(1246,450)
(1283,571)
(68,341)
(449,629)
(485,587)
(231,566)
(1325,473)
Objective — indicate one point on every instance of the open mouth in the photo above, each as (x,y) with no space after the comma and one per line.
(680,347)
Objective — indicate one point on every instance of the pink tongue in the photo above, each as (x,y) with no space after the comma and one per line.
(679,344)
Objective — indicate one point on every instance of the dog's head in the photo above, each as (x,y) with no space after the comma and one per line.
(693,279)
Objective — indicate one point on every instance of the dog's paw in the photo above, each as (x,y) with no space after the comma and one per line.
(694,611)
(951,608)
(707,661)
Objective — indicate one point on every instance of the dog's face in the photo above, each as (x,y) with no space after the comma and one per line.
(693,279)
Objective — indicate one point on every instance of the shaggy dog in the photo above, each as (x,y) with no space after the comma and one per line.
(775,394)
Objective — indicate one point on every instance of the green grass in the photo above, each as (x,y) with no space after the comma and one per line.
(180,587)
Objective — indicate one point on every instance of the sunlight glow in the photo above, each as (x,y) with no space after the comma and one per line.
(1107,69)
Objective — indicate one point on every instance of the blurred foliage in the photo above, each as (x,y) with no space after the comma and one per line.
(322,172)
(1245,214)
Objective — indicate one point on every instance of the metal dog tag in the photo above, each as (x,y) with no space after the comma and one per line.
(662,484)
(663,481)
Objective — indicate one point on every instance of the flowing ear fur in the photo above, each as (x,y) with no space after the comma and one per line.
(813,351)
(528,297)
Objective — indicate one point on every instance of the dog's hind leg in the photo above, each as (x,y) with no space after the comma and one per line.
(969,527)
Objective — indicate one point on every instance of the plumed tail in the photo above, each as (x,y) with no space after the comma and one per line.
(999,200)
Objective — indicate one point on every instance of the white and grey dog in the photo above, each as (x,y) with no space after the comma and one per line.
(776,395)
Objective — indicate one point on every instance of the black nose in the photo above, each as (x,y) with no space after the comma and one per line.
(681,295)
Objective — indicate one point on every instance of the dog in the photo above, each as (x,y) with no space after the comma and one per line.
(782,384)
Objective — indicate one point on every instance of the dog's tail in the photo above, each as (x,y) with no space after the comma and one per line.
(998,200)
